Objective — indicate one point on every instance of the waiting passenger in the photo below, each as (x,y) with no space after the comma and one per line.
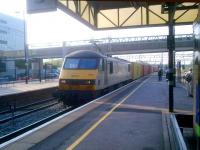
(189,84)
(160,74)
(167,74)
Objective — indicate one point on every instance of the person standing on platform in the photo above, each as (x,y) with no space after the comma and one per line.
(167,74)
(160,73)
(189,83)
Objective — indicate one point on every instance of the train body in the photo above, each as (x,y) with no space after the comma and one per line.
(88,73)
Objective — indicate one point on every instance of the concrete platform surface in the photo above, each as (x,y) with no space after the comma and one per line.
(8,89)
(130,119)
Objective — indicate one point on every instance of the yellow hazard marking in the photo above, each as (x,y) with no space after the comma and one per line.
(85,134)
(150,108)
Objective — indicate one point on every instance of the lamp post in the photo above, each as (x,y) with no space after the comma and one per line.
(26,50)
(25,47)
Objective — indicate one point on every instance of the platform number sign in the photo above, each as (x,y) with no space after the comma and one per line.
(36,6)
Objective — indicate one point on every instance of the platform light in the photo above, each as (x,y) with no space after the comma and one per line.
(62,81)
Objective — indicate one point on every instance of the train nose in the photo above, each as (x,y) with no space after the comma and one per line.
(75,75)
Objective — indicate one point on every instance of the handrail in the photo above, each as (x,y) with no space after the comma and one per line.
(179,141)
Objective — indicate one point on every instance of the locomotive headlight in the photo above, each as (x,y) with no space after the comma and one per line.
(62,81)
(90,82)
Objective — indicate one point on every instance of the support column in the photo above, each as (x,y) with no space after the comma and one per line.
(26,62)
(171,48)
(174,63)
(40,69)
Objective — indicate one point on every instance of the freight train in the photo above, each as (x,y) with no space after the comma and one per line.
(87,74)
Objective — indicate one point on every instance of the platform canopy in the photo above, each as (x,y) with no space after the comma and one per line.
(105,14)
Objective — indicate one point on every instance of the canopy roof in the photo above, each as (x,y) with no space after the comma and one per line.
(122,14)
(112,14)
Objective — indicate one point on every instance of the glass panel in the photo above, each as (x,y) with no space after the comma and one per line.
(111,67)
(101,65)
(88,64)
(86,14)
(111,14)
(135,19)
(187,17)
(72,6)
(64,2)
(124,14)
(91,16)
(82,5)
(144,16)
(103,22)
(71,63)
(83,63)
(153,19)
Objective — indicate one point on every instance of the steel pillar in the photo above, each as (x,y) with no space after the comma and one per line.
(26,63)
(26,55)
(40,69)
(171,48)
(174,66)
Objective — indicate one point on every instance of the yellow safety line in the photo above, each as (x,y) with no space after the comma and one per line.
(150,108)
(84,135)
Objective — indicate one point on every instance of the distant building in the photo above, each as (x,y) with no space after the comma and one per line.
(11,33)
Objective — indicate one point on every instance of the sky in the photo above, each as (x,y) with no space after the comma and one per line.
(57,26)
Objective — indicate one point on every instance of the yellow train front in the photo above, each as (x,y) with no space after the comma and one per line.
(87,74)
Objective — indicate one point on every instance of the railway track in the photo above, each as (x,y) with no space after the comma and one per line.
(11,122)
(10,110)
(26,113)
(35,123)
(31,126)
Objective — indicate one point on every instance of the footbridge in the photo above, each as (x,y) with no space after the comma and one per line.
(110,46)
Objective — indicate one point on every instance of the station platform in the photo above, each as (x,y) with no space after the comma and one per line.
(13,88)
(128,118)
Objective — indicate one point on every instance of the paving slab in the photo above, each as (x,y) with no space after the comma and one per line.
(137,123)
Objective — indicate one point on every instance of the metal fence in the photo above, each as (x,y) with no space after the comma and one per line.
(15,74)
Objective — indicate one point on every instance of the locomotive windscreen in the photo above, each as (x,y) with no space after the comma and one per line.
(80,63)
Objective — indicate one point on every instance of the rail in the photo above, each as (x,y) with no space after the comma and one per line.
(31,126)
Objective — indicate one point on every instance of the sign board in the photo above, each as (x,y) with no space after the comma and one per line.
(37,6)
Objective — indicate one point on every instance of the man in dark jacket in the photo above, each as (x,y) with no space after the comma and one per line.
(160,73)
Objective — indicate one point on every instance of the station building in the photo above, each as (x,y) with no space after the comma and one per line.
(11,33)
(11,39)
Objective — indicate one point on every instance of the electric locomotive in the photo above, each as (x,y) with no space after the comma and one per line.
(87,74)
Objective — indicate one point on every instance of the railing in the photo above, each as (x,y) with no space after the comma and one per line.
(12,76)
(110,40)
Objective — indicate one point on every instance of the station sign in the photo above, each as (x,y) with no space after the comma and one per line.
(37,6)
